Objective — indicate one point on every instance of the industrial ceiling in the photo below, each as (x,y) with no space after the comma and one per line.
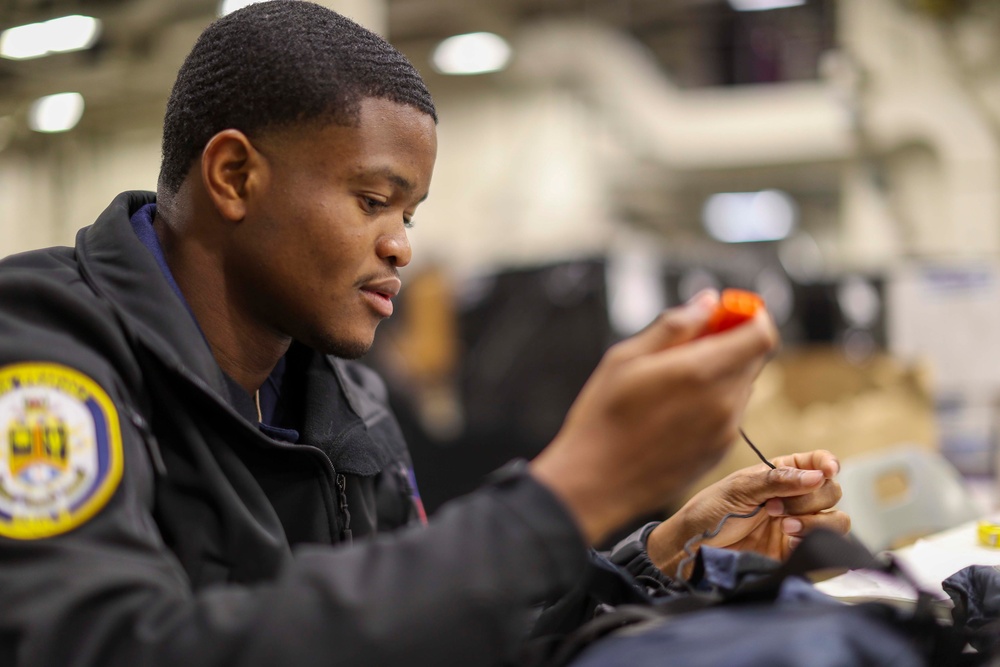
(126,76)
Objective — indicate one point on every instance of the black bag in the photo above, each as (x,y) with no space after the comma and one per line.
(744,610)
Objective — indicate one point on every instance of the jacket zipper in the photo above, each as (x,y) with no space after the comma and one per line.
(345,533)
(339,479)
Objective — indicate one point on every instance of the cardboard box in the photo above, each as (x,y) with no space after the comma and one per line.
(815,398)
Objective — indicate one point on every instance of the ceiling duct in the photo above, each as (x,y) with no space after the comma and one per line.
(719,128)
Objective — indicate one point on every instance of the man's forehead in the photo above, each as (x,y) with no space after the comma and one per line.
(389,174)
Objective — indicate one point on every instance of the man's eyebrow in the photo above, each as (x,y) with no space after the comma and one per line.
(397,180)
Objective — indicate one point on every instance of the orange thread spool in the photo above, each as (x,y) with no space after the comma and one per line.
(735,307)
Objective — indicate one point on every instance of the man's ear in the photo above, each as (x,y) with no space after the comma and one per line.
(230,168)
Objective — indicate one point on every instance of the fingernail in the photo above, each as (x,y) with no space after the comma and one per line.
(812,477)
(775,507)
(791,526)
(705,299)
(794,541)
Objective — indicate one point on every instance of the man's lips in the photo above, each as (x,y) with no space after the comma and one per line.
(379,294)
(387,287)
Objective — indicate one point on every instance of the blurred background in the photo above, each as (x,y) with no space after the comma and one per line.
(603,159)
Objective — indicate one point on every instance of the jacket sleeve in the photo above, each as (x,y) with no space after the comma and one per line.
(105,591)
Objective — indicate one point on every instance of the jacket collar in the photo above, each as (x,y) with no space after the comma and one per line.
(120,269)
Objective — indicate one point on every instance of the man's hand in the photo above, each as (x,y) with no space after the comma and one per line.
(797,496)
(660,409)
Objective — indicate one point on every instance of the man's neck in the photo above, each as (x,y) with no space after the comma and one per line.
(244,349)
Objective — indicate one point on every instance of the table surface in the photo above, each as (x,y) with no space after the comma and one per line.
(929,561)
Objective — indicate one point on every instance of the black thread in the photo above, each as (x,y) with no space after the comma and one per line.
(756,451)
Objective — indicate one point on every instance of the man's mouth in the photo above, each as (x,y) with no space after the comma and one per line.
(379,294)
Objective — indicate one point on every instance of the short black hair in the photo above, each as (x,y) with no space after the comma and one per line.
(274,64)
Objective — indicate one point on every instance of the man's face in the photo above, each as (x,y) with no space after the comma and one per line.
(317,254)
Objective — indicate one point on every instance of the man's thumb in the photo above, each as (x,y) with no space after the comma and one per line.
(784,482)
(676,325)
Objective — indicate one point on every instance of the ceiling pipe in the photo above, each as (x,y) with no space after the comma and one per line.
(686,130)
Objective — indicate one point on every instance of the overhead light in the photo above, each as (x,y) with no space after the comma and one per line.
(743,217)
(34,40)
(762,5)
(473,53)
(230,6)
(56,113)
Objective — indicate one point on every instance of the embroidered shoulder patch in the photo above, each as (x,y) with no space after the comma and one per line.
(60,450)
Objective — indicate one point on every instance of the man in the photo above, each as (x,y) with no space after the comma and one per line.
(185,442)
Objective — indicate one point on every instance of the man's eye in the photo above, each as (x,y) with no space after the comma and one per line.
(372,205)
(408,223)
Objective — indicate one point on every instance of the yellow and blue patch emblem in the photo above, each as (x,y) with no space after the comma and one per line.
(60,450)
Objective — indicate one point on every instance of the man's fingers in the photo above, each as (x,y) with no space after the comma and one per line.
(798,526)
(737,353)
(726,353)
(782,483)
(793,491)
(673,327)
(800,484)
(823,498)
(818,459)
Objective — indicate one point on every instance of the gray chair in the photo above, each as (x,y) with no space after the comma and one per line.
(902,493)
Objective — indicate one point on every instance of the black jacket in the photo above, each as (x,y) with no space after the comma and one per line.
(221,545)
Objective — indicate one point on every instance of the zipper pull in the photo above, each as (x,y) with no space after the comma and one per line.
(149,440)
(345,533)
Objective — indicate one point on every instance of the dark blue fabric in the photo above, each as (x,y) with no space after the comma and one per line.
(269,394)
(278,433)
(793,625)
(726,571)
(791,634)
(142,223)
(975,590)
(721,567)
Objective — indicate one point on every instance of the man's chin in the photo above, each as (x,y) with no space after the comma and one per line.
(345,349)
